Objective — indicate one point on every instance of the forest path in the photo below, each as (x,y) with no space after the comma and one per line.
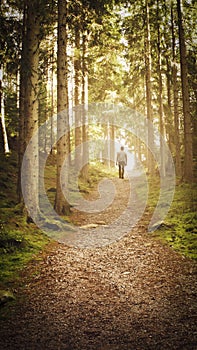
(133,294)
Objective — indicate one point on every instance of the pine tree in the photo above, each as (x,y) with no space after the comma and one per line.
(188,156)
(30,81)
(62,207)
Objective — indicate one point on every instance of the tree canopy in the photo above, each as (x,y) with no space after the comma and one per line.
(137,54)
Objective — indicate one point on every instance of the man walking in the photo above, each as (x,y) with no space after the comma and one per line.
(121,161)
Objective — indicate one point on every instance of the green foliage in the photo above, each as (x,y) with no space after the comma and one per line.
(105,61)
(10,240)
(19,244)
(8,179)
(180,226)
(19,241)
(11,111)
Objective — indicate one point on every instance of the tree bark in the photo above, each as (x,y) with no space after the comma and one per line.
(112,144)
(78,110)
(29,108)
(160,97)
(85,138)
(23,81)
(148,68)
(52,101)
(188,156)
(175,99)
(5,145)
(62,207)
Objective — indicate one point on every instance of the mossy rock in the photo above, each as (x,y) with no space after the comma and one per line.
(6,296)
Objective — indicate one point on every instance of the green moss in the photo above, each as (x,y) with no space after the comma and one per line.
(8,180)
(179,229)
(19,243)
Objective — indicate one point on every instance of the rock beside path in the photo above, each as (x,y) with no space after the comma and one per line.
(6,296)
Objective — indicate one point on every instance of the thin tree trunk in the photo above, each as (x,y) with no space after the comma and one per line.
(62,207)
(188,156)
(112,144)
(29,110)
(52,102)
(2,114)
(22,89)
(112,132)
(169,122)
(148,90)
(46,112)
(84,97)
(175,98)
(106,151)
(160,96)
(30,184)
(138,150)
(78,111)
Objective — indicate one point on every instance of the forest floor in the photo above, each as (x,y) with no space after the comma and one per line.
(135,293)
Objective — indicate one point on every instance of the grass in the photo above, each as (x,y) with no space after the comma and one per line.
(19,244)
(179,228)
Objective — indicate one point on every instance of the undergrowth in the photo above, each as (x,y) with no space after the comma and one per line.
(179,228)
(20,242)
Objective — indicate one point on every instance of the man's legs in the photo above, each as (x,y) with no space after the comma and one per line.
(120,172)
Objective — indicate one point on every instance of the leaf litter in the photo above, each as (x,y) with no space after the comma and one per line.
(136,293)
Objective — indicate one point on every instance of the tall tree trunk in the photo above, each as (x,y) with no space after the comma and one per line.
(169,120)
(112,144)
(106,150)
(31,61)
(52,101)
(160,96)
(78,111)
(22,90)
(148,69)
(44,142)
(175,99)
(84,98)
(188,156)
(138,150)
(195,126)
(62,207)
(5,145)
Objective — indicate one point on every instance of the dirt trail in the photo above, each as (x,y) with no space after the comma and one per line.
(133,294)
